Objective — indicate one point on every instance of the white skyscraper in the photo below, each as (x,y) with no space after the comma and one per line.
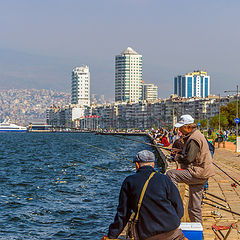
(81,86)
(128,76)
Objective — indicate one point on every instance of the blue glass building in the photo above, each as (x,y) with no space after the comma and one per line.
(195,84)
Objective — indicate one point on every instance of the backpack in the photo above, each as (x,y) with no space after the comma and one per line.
(211,147)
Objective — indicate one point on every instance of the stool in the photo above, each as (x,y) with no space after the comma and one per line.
(217,229)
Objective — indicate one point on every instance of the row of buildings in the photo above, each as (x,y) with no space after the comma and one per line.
(136,102)
(141,114)
(129,84)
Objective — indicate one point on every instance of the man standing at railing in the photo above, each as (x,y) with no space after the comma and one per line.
(196,165)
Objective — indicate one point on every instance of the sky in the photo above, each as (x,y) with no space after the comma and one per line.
(42,40)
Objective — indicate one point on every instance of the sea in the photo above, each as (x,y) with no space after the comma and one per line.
(62,185)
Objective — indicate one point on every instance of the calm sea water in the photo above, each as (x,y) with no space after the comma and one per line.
(55,186)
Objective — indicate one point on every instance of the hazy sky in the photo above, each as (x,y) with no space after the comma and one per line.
(42,40)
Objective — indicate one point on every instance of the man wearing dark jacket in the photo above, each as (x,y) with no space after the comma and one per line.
(161,209)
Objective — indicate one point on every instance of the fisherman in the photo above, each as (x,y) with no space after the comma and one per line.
(196,164)
(161,209)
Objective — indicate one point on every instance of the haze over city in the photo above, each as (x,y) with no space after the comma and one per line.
(41,41)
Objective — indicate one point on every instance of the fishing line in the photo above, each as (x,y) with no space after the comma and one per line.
(171,151)
(149,144)
(108,152)
(60,179)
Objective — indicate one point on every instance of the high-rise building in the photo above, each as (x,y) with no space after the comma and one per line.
(194,84)
(128,76)
(81,86)
(150,92)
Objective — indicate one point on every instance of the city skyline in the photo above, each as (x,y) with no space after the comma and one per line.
(38,50)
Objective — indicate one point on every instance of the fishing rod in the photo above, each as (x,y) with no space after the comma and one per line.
(162,158)
(153,145)
(171,150)
(209,199)
(221,208)
(227,174)
(149,144)
(210,194)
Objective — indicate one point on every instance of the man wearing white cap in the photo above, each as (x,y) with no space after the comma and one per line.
(196,164)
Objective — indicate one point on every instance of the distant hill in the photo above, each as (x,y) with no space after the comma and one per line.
(22,106)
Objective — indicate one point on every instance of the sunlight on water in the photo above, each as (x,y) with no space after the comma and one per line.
(55,186)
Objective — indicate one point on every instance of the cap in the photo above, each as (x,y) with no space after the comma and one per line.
(144,156)
(184,120)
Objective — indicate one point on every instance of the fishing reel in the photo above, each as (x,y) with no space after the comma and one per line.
(170,158)
(216,213)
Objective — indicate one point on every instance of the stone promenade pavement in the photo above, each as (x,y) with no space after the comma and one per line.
(220,185)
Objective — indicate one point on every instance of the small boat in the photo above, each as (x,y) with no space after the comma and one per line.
(10,127)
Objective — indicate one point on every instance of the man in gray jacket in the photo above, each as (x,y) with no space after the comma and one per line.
(196,165)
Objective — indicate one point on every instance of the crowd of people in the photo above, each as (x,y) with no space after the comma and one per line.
(164,137)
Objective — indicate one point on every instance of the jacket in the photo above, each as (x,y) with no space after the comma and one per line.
(165,142)
(202,166)
(161,209)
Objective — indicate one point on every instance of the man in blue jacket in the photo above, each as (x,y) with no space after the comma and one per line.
(161,209)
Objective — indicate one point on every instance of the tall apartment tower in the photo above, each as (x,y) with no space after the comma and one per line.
(128,76)
(194,84)
(150,92)
(81,86)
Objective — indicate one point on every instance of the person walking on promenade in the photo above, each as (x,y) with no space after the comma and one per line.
(161,209)
(196,164)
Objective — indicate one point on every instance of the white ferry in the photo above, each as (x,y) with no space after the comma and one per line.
(10,127)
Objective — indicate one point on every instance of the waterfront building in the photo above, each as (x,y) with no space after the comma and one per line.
(128,76)
(150,92)
(81,86)
(65,116)
(141,114)
(194,84)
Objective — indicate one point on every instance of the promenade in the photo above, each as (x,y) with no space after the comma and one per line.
(220,185)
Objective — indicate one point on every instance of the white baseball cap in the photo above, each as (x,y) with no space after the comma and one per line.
(184,120)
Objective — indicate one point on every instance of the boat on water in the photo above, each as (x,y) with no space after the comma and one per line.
(11,127)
